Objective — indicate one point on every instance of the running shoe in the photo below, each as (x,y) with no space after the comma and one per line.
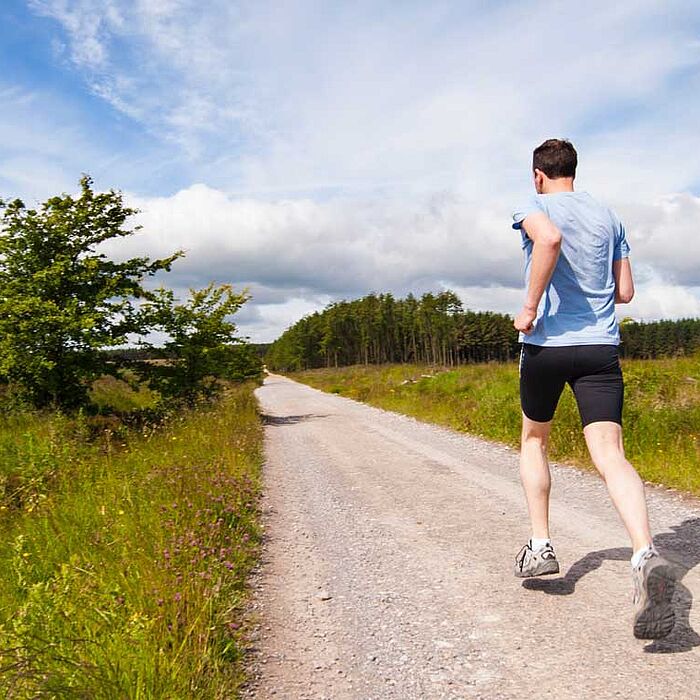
(539,562)
(654,583)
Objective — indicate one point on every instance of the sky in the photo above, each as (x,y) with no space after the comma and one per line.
(313,151)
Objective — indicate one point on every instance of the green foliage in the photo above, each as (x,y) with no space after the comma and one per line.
(435,329)
(202,343)
(122,395)
(61,300)
(661,411)
(123,574)
(379,329)
(660,338)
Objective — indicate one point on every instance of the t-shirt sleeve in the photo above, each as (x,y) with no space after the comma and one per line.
(622,248)
(530,207)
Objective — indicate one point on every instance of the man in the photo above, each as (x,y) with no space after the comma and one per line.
(577,267)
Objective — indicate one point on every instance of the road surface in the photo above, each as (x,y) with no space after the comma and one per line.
(387,569)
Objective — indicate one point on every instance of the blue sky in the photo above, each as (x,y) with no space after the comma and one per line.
(313,151)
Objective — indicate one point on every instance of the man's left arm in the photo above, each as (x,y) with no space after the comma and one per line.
(546,239)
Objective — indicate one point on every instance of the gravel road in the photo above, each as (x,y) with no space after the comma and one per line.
(387,569)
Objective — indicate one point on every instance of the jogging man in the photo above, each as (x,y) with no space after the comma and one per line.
(577,268)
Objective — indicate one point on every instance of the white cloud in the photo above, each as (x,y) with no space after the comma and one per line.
(296,255)
(265,322)
(665,236)
(656,300)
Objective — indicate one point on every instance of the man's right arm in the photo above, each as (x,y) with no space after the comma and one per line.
(624,284)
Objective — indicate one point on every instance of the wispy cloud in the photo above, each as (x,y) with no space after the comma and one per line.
(407,96)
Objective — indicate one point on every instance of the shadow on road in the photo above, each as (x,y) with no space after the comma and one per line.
(681,546)
(288,420)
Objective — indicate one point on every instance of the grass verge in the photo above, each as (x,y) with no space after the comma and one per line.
(661,413)
(125,556)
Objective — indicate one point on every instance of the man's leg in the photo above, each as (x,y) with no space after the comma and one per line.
(653,576)
(604,440)
(541,382)
(534,473)
(599,391)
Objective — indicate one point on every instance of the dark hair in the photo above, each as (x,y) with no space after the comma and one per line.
(555,158)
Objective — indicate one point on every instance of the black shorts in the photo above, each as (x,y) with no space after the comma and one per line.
(592,371)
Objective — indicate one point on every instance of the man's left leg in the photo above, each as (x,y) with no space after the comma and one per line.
(537,556)
(535,475)
(541,382)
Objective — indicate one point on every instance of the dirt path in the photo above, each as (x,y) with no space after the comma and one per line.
(387,569)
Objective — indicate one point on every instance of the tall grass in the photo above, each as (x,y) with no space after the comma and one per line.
(122,571)
(661,414)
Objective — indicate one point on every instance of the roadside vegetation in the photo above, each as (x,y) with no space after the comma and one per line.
(125,552)
(129,478)
(661,412)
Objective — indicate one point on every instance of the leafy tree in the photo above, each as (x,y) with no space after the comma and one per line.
(379,328)
(62,301)
(202,344)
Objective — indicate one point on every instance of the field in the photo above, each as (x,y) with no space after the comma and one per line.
(661,413)
(126,547)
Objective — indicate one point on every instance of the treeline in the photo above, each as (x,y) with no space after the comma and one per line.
(378,328)
(435,329)
(660,338)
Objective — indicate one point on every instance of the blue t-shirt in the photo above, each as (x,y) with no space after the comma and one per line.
(578,305)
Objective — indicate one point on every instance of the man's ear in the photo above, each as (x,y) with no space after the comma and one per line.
(539,180)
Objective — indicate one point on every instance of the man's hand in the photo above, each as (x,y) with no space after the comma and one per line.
(523,321)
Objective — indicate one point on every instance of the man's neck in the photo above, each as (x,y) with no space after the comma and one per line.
(561,184)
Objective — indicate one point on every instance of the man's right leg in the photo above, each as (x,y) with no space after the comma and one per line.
(626,489)
(653,576)
(599,390)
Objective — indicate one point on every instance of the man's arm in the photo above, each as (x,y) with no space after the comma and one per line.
(624,284)
(546,238)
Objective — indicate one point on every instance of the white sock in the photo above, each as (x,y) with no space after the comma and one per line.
(537,543)
(637,556)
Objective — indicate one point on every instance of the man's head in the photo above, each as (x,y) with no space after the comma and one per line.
(554,166)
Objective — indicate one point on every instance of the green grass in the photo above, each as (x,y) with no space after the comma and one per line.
(125,552)
(661,413)
(109,394)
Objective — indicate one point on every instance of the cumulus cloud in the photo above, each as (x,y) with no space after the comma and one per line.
(658,300)
(340,246)
(297,255)
(666,237)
